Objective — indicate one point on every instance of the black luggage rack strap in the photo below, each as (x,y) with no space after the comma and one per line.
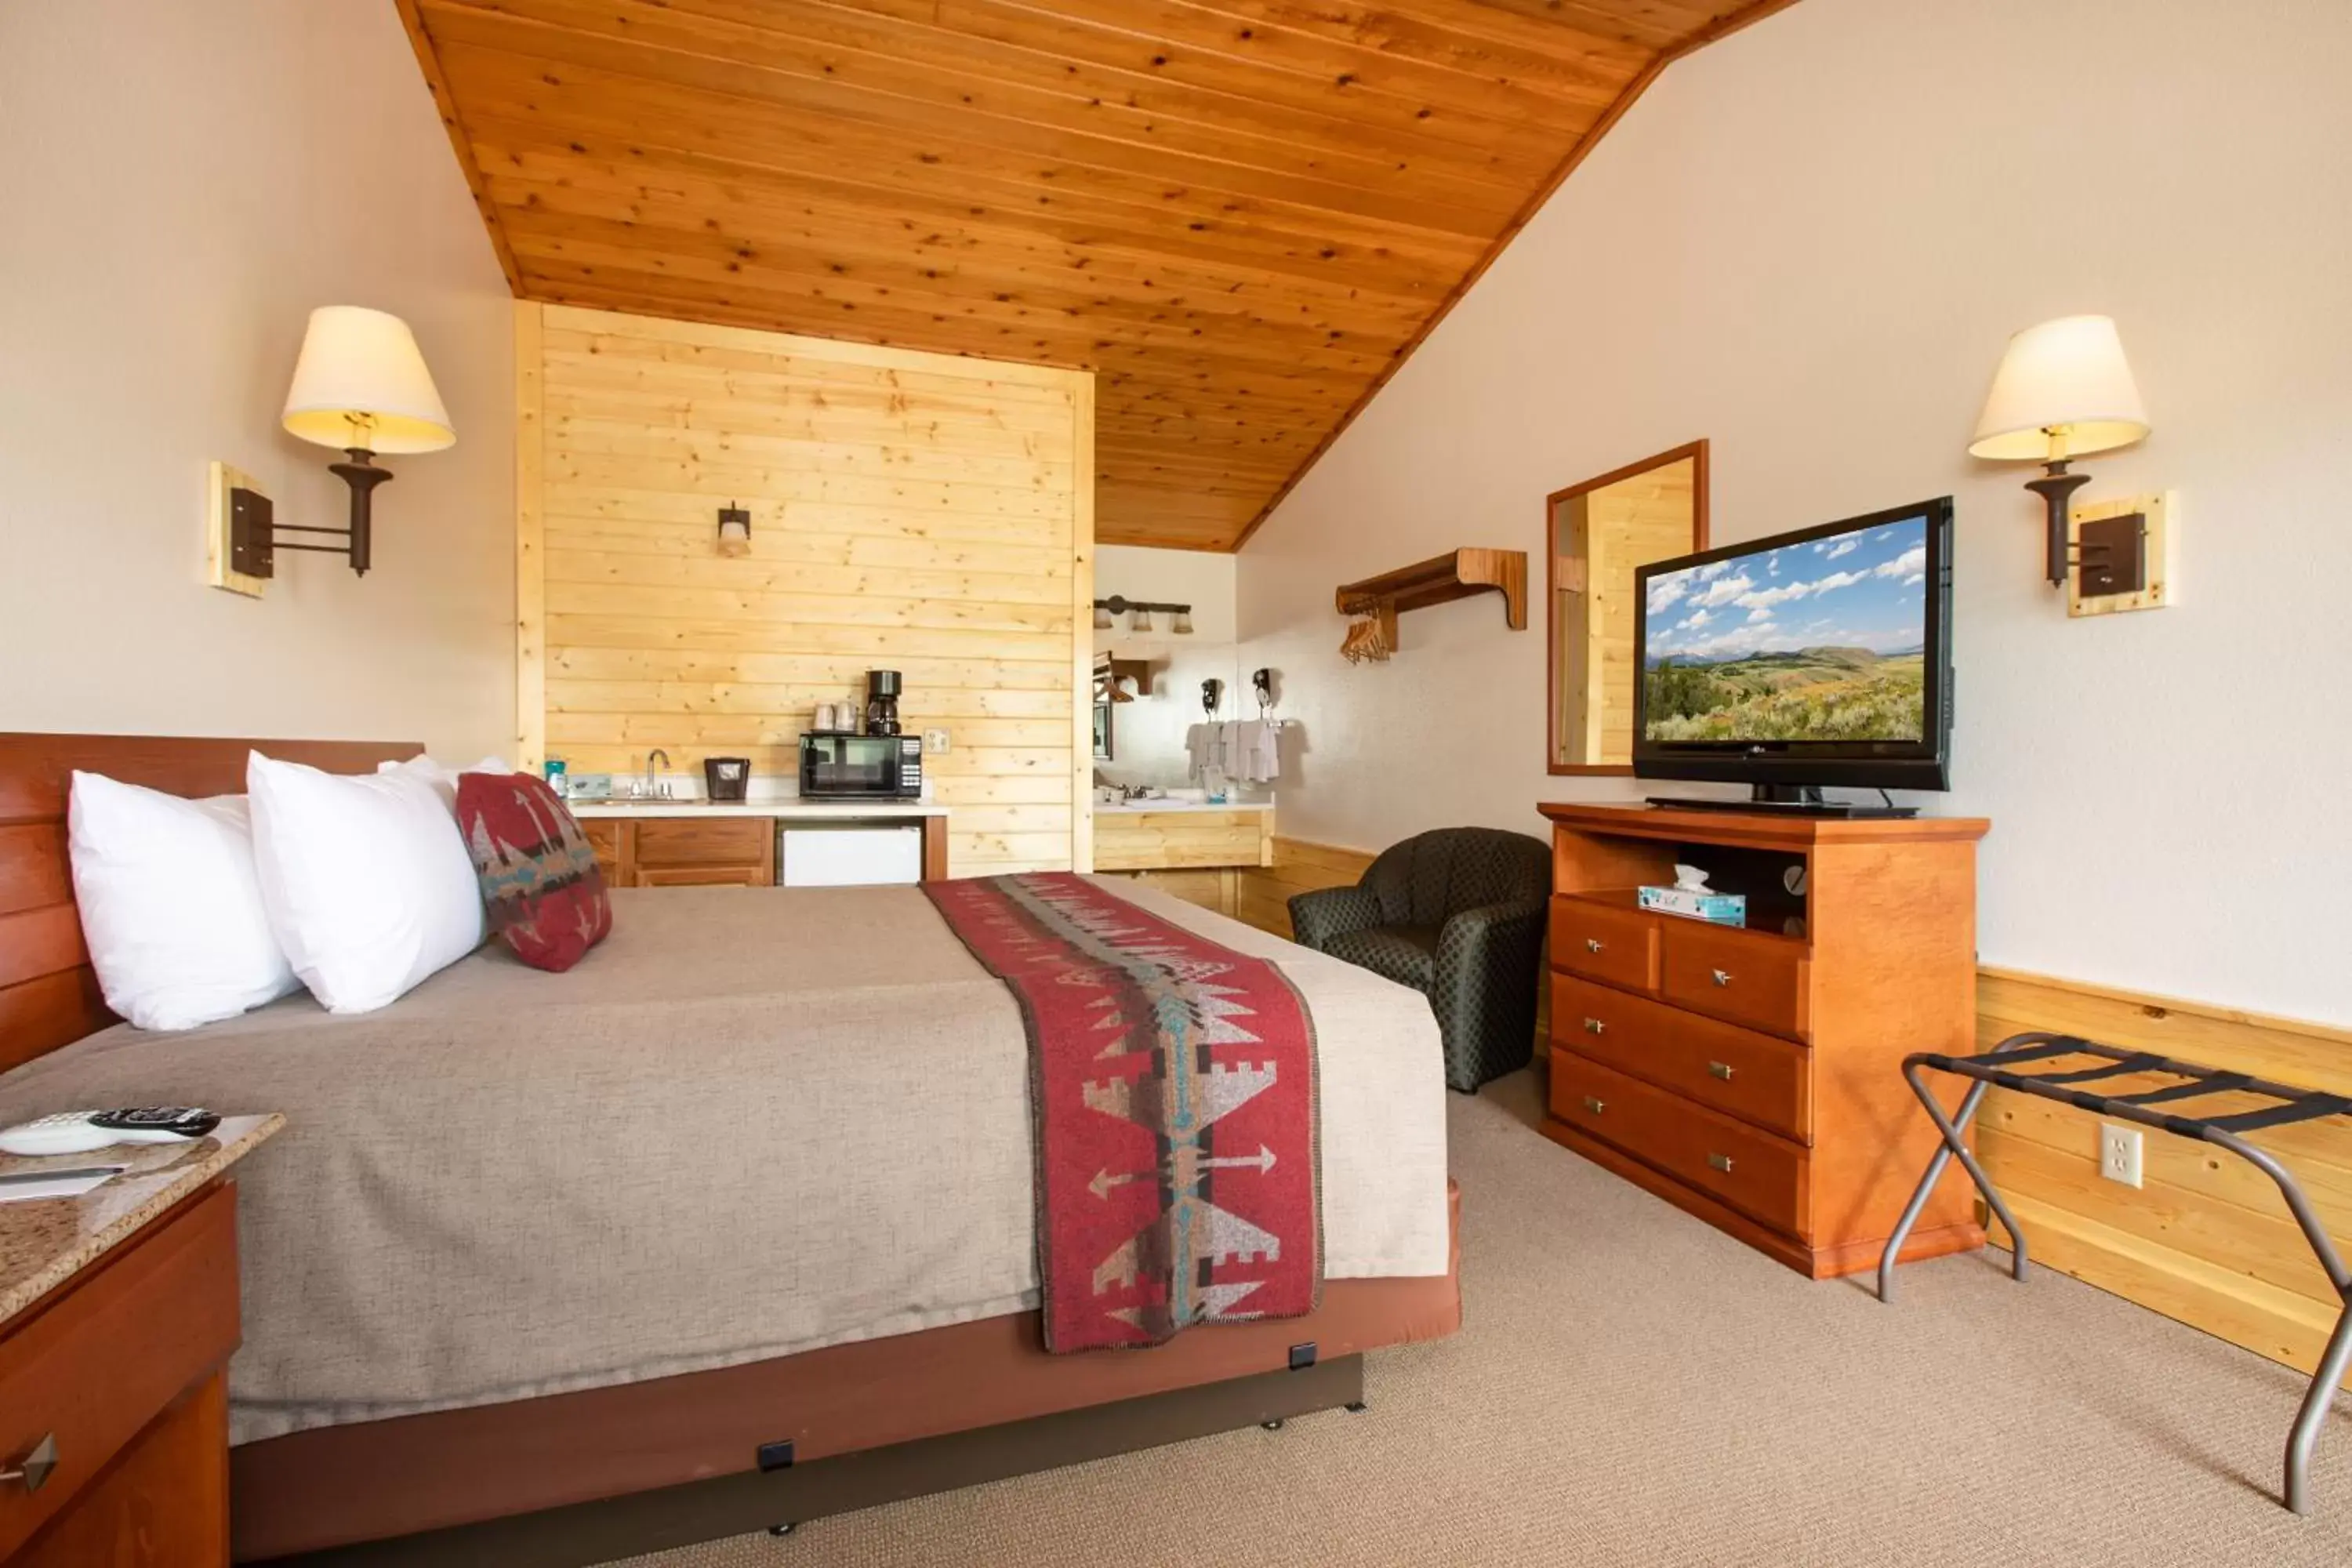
(2066,1086)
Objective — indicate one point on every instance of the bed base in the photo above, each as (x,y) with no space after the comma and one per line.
(783,1499)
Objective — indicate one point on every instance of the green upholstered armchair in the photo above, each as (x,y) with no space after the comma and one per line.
(1458,914)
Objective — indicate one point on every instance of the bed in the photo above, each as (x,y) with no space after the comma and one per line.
(732,1225)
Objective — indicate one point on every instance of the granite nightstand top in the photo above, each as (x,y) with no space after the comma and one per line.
(46,1241)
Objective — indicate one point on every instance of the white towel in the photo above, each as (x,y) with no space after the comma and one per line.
(1201,751)
(1256,757)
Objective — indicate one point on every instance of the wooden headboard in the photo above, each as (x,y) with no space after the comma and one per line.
(49,994)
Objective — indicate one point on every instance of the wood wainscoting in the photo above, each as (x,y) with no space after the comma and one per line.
(911,512)
(2207,1238)
(1262,896)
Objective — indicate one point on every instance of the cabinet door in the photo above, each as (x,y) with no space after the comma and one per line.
(701,877)
(613,842)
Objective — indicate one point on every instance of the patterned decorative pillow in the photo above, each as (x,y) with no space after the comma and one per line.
(538,874)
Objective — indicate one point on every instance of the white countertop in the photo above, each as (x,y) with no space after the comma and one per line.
(788,809)
(1138,807)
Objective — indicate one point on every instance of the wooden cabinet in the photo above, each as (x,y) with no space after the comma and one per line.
(119,1378)
(1195,839)
(648,849)
(1752,1075)
(684,851)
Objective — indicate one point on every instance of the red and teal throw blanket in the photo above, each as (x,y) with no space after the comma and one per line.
(1173,1086)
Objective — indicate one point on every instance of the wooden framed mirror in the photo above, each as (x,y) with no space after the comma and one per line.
(1598,533)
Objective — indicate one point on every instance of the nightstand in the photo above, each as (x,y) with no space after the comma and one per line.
(118,1315)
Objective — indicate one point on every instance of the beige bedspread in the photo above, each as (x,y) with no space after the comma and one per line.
(754,1121)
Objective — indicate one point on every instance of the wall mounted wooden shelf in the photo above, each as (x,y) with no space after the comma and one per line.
(1456,574)
(1111,676)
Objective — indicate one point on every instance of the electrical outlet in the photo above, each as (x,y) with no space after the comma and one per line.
(2119,1154)
(935,742)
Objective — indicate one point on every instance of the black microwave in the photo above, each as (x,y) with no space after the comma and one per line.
(840,766)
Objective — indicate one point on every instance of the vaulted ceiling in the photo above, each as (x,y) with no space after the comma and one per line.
(1242,215)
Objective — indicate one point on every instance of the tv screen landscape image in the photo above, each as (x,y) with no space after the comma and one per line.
(1821,639)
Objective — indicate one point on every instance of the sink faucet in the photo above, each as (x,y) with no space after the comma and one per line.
(651,775)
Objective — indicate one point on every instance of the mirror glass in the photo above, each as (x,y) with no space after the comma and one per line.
(1600,532)
(1141,733)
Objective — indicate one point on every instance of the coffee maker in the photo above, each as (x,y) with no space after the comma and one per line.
(881,701)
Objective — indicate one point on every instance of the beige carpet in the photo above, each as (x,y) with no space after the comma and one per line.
(1631,1387)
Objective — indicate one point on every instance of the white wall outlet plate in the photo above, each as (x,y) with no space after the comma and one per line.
(935,742)
(222,478)
(2119,1152)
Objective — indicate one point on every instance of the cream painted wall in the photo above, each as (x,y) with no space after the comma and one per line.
(1148,734)
(179,186)
(1809,244)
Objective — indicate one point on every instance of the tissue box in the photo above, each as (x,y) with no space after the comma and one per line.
(1723,908)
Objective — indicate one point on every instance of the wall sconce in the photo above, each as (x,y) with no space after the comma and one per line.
(1180,622)
(734,530)
(2064,391)
(360,384)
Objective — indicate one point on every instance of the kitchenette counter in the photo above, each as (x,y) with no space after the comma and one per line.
(1159,807)
(784,809)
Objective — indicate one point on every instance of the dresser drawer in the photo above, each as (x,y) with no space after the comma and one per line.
(1620,946)
(1752,1171)
(703,841)
(1754,1077)
(1749,977)
(90,1369)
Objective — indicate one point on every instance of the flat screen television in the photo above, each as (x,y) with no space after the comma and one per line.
(1812,658)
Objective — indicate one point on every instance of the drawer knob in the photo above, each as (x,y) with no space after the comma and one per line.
(1721,1162)
(1722,976)
(1595,1026)
(1720,1070)
(34,1469)
(1594,1106)
(1593,944)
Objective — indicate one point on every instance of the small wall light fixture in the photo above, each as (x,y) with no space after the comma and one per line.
(1180,622)
(360,384)
(734,530)
(2064,391)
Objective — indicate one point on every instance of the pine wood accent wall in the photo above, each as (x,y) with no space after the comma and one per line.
(2206,1240)
(1243,214)
(909,511)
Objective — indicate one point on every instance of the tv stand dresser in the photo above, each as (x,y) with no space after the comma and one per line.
(1752,1075)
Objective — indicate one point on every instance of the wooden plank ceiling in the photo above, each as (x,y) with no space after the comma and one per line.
(1240,213)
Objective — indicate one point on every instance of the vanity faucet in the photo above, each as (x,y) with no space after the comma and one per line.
(651,774)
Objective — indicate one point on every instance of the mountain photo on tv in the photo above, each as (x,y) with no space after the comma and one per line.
(1819,640)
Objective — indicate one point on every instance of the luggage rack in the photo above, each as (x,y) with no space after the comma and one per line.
(2146,1108)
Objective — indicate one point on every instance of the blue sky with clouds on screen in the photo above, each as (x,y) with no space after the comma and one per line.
(1864,589)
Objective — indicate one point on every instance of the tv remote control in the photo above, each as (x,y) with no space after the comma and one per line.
(78,1131)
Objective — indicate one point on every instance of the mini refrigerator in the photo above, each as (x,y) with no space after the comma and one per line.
(848,854)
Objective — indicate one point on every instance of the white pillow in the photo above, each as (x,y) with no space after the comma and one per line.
(366,879)
(442,776)
(170,907)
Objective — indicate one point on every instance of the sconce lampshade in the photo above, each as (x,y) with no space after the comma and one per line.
(1141,621)
(1183,626)
(360,383)
(1102,619)
(2064,390)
